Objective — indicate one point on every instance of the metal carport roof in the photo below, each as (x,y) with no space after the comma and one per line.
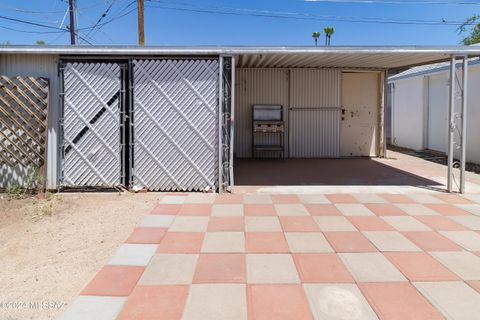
(379,57)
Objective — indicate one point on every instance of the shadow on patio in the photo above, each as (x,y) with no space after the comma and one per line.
(353,172)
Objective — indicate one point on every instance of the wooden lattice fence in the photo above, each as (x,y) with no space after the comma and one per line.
(23,121)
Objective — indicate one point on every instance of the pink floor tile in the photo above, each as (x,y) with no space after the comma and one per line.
(447,209)
(349,241)
(420,266)
(323,210)
(453,198)
(155,302)
(168,209)
(279,302)
(398,301)
(292,224)
(259,210)
(321,267)
(475,285)
(195,210)
(284,198)
(265,242)
(397,198)
(440,223)
(181,242)
(341,198)
(228,198)
(385,209)
(370,224)
(220,268)
(431,241)
(224,224)
(114,281)
(147,235)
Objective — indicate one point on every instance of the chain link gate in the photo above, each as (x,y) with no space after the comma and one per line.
(91,149)
(176,123)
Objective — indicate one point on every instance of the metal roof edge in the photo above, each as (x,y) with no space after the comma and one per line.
(218,50)
(431,71)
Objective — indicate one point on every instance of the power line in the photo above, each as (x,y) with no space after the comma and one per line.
(290,15)
(104,14)
(413,2)
(27,11)
(29,31)
(37,24)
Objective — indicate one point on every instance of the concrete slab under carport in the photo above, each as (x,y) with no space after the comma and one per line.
(398,173)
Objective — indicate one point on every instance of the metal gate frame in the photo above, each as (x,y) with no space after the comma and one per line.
(120,98)
(157,82)
(226,82)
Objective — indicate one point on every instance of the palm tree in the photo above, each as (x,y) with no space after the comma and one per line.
(315,36)
(328,34)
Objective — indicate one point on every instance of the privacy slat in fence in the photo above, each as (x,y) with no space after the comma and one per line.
(176,124)
(23,121)
(91,135)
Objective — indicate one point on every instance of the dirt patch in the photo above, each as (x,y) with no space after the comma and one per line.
(51,248)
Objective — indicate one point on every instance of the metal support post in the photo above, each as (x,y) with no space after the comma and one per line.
(384,117)
(451,123)
(232,121)
(464,124)
(220,124)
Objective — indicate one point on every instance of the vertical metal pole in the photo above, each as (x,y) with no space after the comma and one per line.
(385,105)
(426,111)
(60,144)
(464,124)
(451,123)
(232,120)
(131,122)
(220,123)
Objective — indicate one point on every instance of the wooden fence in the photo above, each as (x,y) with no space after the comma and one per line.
(23,121)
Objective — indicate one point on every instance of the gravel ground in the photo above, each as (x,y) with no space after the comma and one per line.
(50,248)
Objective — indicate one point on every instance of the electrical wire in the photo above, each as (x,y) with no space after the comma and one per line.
(104,14)
(29,31)
(33,23)
(405,2)
(119,14)
(26,11)
(160,4)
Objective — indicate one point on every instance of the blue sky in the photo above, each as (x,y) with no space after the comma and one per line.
(253,22)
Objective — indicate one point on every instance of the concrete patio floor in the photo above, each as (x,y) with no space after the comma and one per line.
(305,256)
(398,173)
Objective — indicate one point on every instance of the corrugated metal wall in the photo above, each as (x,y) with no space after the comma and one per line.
(315,88)
(37,66)
(315,133)
(312,105)
(315,108)
(256,86)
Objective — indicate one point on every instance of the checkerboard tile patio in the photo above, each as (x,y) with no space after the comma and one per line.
(322,256)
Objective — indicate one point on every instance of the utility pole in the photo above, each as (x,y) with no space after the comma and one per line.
(141,31)
(72,23)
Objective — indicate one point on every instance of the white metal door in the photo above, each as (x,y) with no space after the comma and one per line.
(176,124)
(360,103)
(91,124)
(438,98)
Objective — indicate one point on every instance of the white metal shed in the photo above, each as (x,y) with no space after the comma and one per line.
(420,95)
